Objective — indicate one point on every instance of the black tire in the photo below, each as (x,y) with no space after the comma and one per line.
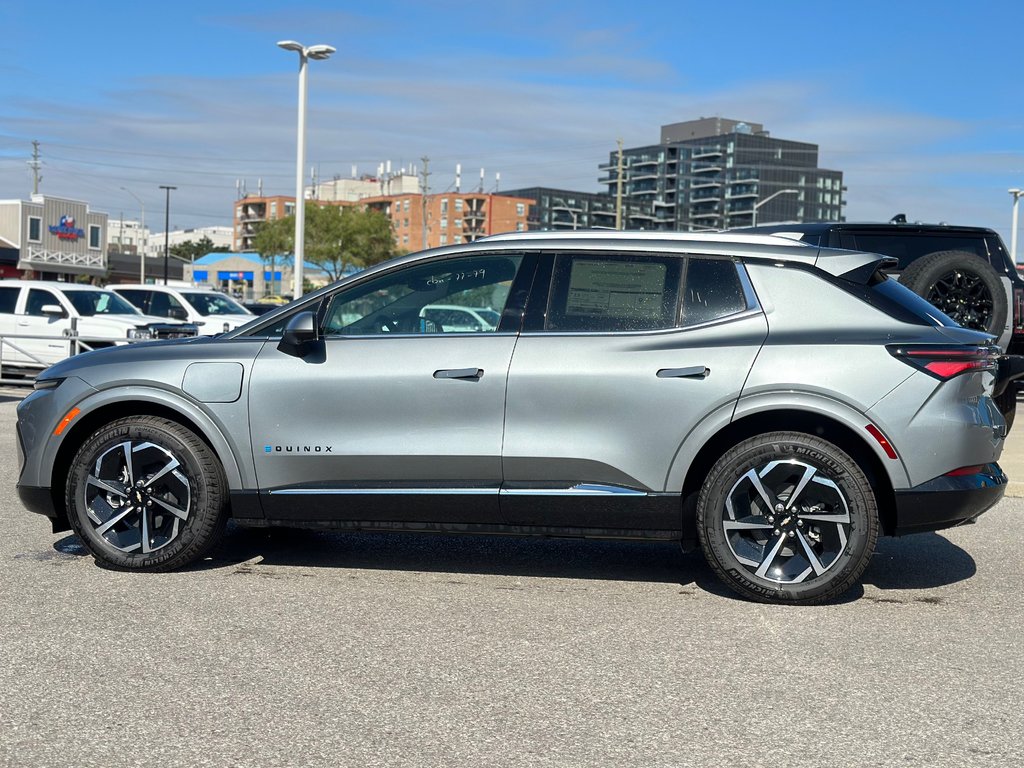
(160,509)
(755,542)
(1007,404)
(962,285)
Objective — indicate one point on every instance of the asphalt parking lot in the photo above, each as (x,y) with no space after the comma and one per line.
(300,649)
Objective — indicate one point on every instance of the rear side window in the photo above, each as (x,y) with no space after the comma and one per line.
(711,290)
(909,247)
(614,292)
(9,299)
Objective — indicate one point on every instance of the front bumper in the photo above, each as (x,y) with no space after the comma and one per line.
(948,500)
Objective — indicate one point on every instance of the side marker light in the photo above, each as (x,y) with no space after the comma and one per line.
(65,421)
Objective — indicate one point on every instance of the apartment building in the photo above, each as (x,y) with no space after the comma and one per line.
(450,217)
(251,211)
(717,173)
(557,209)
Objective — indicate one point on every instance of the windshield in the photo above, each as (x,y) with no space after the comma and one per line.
(207,304)
(89,303)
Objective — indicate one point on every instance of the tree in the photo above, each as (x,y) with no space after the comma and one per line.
(190,250)
(338,238)
(274,238)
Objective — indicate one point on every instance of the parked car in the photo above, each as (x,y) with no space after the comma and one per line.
(59,311)
(966,272)
(778,404)
(211,311)
(451,318)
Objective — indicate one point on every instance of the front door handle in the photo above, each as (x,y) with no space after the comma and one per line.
(459,373)
(693,372)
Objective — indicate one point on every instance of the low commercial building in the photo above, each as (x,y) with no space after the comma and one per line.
(53,238)
(247,276)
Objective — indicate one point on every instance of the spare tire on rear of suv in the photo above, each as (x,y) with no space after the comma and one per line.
(963,286)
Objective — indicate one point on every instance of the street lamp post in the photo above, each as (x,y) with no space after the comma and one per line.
(316,52)
(145,237)
(167,229)
(1017,193)
(753,218)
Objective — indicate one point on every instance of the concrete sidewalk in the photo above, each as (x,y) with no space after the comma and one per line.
(1012,460)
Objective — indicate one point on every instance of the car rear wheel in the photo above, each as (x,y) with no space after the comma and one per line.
(146,493)
(787,517)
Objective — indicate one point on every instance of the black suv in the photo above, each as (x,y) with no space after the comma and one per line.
(964,271)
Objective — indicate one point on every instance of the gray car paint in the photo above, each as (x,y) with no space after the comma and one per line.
(378,399)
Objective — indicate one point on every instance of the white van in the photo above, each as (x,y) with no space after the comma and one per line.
(211,311)
(58,311)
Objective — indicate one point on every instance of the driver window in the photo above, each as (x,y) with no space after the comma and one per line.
(461,295)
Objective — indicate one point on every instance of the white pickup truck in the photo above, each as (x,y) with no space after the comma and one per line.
(58,311)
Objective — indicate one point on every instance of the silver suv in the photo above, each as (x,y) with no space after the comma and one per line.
(778,404)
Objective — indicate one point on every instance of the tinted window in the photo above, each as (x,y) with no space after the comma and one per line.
(35,229)
(909,247)
(9,299)
(161,304)
(136,297)
(37,299)
(905,305)
(403,301)
(711,290)
(614,292)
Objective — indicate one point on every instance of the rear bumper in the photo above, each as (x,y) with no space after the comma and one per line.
(948,500)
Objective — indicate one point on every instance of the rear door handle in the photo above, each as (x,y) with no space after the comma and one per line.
(693,372)
(459,373)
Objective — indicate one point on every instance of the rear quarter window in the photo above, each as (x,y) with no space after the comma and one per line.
(909,247)
(903,304)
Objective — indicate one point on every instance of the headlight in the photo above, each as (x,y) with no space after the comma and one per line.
(140,333)
(46,383)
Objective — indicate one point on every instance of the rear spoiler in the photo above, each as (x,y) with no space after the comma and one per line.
(855,266)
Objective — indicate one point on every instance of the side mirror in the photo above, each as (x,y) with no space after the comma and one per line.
(177,313)
(53,310)
(299,333)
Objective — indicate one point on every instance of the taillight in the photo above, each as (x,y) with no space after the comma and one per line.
(945,362)
(1018,310)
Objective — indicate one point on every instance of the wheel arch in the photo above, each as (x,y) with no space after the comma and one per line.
(796,420)
(113,406)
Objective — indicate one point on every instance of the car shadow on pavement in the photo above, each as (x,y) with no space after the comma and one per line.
(923,561)
(920,561)
(481,554)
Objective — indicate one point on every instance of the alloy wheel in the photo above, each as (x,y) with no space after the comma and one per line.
(786,521)
(964,297)
(137,496)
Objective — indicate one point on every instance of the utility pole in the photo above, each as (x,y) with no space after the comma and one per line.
(618,191)
(167,229)
(426,189)
(35,164)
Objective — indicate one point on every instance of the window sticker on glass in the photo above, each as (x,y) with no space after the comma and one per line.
(618,289)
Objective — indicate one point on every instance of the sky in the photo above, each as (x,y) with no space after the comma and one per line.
(919,104)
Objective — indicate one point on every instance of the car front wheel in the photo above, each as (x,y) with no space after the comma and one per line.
(787,517)
(146,493)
